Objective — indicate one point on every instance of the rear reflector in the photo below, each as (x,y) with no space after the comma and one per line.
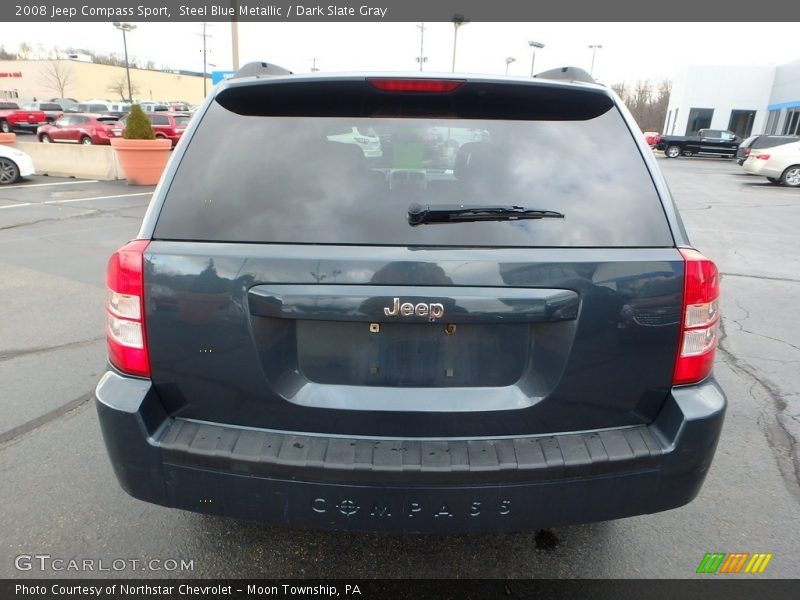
(125,329)
(700,319)
(417,85)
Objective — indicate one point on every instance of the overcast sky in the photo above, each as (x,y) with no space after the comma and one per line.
(630,51)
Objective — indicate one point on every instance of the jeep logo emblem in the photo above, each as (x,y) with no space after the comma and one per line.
(433,311)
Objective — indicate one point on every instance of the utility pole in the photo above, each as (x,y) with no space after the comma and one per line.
(314,68)
(422,59)
(205,36)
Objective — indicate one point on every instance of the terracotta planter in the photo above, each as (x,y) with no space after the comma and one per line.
(143,161)
(8,139)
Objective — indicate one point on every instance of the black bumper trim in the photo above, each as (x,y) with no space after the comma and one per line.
(486,485)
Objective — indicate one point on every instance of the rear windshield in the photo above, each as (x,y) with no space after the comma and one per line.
(45,106)
(766,141)
(350,180)
(182,120)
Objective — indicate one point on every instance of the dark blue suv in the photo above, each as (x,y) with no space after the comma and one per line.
(495,323)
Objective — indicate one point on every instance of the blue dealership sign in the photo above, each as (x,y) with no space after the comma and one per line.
(217,76)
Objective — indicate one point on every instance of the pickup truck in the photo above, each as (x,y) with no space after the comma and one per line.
(12,117)
(707,142)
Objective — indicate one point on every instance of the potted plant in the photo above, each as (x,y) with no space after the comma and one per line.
(142,156)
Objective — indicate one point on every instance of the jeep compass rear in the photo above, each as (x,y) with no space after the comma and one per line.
(495,323)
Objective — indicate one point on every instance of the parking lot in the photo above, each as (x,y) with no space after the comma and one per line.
(59,496)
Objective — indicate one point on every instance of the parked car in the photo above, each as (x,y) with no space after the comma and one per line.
(80,128)
(487,347)
(652,138)
(14,164)
(89,107)
(780,164)
(118,109)
(365,138)
(758,142)
(13,118)
(168,125)
(707,142)
(51,110)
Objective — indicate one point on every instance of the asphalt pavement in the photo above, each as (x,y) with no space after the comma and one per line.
(59,497)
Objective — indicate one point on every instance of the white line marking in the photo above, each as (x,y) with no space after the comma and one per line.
(76,200)
(30,185)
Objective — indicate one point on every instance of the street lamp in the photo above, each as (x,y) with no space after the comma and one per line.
(594,48)
(509,60)
(422,58)
(458,21)
(125,28)
(534,45)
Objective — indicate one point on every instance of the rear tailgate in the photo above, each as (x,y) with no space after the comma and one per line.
(293,294)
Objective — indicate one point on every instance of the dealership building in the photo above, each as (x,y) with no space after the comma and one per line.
(743,99)
(84,80)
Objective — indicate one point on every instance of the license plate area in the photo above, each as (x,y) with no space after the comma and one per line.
(412,354)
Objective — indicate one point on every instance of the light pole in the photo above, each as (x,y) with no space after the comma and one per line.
(124,28)
(534,45)
(458,21)
(509,60)
(594,48)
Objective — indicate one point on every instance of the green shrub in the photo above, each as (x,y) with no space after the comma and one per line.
(138,126)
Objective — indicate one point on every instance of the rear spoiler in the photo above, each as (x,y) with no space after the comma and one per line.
(567,74)
(260,69)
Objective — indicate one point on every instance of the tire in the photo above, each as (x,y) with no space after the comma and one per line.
(45,139)
(9,171)
(5,127)
(791,176)
(673,151)
(774,180)
(86,140)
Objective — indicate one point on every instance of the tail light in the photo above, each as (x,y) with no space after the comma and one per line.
(440,86)
(762,156)
(746,152)
(125,329)
(700,319)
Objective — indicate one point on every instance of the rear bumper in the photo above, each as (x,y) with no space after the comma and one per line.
(425,486)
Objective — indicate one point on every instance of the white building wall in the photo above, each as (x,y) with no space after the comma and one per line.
(724,89)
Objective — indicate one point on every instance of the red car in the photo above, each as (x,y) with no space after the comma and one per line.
(80,128)
(169,125)
(652,137)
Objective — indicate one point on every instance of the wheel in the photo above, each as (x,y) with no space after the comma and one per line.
(9,171)
(774,180)
(672,151)
(5,127)
(45,139)
(86,140)
(791,176)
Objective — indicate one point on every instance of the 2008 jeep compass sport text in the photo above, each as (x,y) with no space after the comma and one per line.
(413,304)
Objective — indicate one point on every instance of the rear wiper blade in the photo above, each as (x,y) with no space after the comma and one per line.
(419,214)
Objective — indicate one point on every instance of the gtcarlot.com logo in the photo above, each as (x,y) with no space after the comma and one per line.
(734,563)
(46,562)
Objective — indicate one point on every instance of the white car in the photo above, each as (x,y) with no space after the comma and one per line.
(364,138)
(13,165)
(780,164)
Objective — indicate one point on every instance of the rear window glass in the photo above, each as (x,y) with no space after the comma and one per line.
(350,180)
(182,120)
(44,106)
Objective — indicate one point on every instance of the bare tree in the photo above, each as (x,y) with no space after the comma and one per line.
(24,51)
(646,101)
(119,86)
(57,76)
